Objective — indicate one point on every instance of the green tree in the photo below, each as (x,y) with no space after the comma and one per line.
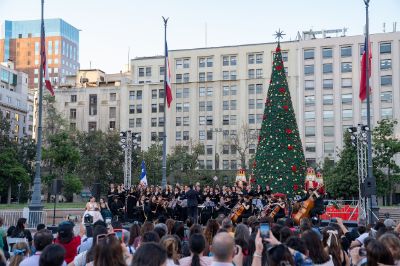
(342,180)
(101,158)
(385,147)
(280,158)
(182,163)
(153,160)
(72,184)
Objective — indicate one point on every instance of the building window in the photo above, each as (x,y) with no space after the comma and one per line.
(225,75)
(387,113)
(385,48)
(233,75)
(185,121)
(251,89)
(185,93)
(309,100)
(209,106)
(185,135)
(259,89)
(73,98)
(225,120)
(346,67)
(153,122)
(178,121)
(310,146)
(131,122)
(386,64)
(161,121)
(309,85)
(139,108)
(112,112)
(178,78)
(92,104)
(329,131)
(209,120)
(178,135)
(347,114)
(250,59)
(347,82)
(259,103)
(209,134)
(285,56)
(202,106)
(310,131)
(386,97)
(259,58)
(329,147)
(347,98)
(327,53)
(209,76)
(186,107)
(185,77)
(92,126)
(252,119)
(327,68)
(202,91)
(309,116)
(259,73)
(154,108)
(202,120)
(308,54)
(327,83)
(72,113)
(308,70)
(154,94)
(131,95)
(202,135)
(251,74)
(131,108)
(112,125)
(386,80)
(202,77)
(148,71)
(141,71)
(328,99)
(328,115)
(162,70)
(345,51)
(252,104)
(139,95)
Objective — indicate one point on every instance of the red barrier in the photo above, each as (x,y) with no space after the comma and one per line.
(346,212)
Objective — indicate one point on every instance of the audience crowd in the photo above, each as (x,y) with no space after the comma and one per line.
(168,242)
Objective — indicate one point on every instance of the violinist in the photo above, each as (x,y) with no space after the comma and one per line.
(248,208)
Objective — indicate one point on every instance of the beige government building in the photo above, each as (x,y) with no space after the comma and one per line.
(218,90)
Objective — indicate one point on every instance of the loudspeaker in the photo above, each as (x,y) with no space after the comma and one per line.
(56,186)
(96,191)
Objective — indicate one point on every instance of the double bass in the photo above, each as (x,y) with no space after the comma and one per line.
(306,206)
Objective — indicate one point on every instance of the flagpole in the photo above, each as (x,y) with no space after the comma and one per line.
(371,181)
(36,201)
(164,158)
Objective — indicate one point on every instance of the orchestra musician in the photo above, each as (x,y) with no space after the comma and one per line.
(117,208)
(192,202)
(248,208)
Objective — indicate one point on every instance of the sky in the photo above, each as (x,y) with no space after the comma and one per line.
(110,28)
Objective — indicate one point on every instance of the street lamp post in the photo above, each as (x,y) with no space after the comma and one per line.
(216,155)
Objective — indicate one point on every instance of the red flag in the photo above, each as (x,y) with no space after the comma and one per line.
(363,80)
(168,78)
(44,63)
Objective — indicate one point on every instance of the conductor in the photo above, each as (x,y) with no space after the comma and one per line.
(191,195)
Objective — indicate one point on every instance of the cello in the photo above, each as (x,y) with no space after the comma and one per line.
(237,212)
(306,206)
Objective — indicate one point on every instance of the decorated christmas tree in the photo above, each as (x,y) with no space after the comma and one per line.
(279,160)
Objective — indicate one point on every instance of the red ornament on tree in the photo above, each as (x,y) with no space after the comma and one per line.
(278,67)
(295,187)
(278,49)
(294,168)
(290,147)
(285,107)
(282,90)
(288,131)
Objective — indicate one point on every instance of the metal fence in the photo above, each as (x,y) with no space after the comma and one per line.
(33,217)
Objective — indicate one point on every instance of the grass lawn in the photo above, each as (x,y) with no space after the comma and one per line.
(67,205)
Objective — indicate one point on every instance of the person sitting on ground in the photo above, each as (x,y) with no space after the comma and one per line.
(52,255)
(150,254)
(42,239)
(21,232)
(197,245)
(21,252)
(66,239)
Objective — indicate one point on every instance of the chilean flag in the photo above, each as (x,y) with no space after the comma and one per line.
(44,63)
(168,78)
(363,80)
(143,175)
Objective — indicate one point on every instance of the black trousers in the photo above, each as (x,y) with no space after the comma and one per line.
(192,213)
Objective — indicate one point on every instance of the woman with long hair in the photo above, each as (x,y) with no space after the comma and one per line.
(378,254)
(332,244)
(134,232)
(20,232)
(52,255)
(392,243)
(150,254)
(316,251)
(197,244)
(21,251)
(108,251)
(209,233)
(171,246)
(242,238)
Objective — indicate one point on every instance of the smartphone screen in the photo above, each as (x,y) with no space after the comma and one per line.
(264,230)
(119,234)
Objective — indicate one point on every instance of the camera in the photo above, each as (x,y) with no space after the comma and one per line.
(88,219)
